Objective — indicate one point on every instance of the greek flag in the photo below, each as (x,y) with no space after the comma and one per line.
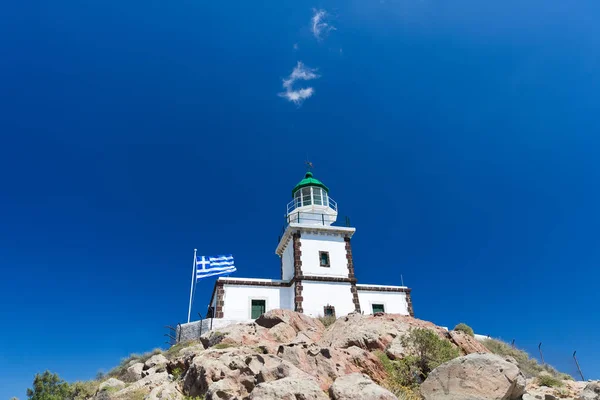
(211,266)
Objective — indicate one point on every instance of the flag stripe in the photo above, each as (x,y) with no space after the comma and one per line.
(206,275)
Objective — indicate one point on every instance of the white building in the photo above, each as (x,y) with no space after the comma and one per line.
(317,269)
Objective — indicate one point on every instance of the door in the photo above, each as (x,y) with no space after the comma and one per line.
(258,308)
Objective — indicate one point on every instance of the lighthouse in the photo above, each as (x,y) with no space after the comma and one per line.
(317,273)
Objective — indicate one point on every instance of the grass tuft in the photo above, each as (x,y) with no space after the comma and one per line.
(465,328)
(529,366)
(327,320)
(549,380)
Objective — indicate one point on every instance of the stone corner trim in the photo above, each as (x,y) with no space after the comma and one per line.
(297,244)
(409,304)
(220,291)
(351,275)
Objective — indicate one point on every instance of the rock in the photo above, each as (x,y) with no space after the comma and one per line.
(226,389)
(328,364)
(134,372)
(111,383)
(590,392)
(475,376)
(372,332)
(168,391)
(396,349)
(358,387)
(236,335)
(145,384)
(288,389)
(156,360)
(549,397)
(242,365)
(310,327)
(467,343)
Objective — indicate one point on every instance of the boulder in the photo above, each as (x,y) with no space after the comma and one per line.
(242,366)
(590,392)
(310,327)
(358,387)
(167,391)
(475,376)
(288,389)
(157,360)
(467,343)
(146,384)
(225,389)
(111,383)
(327,364)
(134,372)
(236,335)
(372,332)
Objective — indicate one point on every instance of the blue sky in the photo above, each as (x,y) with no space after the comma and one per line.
(461,139)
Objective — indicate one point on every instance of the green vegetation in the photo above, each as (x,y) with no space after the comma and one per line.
(84,390)
(465,328)
(193,398)
(327,320)
(549,380)
(120,370)
(139,394)
(529,366)
(176,373)
(49,386)
(427,350)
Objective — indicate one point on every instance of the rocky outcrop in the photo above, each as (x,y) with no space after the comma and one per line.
(310,328)
(240,365)
(288,389)
(475,376)
(327,364)
(287,355)
(358,387)
(385,331)
(590,392)
(111,383)
(467,343)
(134,372)
(145,385)
(156,361)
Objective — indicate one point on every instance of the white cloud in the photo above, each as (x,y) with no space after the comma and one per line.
(319,26)
(295,46)
(302,73)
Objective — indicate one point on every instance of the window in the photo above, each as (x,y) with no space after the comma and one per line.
(298,198)
(317,196)
(377,308)
(329,311)
(258,308)
(324,259)
(306,201)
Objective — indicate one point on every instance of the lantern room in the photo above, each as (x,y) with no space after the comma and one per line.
(311,203)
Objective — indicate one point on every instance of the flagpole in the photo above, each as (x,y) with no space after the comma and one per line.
(192,286)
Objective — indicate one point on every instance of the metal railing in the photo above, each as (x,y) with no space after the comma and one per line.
(313,218)
(297,203)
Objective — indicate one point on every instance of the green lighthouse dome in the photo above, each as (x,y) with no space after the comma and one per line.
(309,181)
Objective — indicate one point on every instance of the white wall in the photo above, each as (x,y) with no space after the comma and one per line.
(288,261)
(316,295)
(238,298)
(393,302)
(335,245)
